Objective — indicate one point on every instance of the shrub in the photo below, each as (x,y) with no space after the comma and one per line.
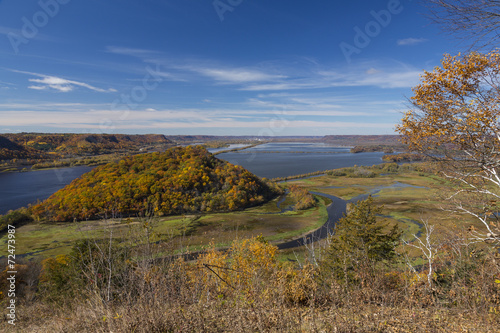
(16,218)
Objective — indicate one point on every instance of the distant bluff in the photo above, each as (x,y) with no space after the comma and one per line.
(84,144)
(179,180)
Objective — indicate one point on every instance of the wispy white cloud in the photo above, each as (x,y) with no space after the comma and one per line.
(371,71)
(303,99)
(17,33)
(295,113)
(275,95)
(148,119)
(7,85)
(47,82)
(49,106)
(405,78)
(130,51)
(288,107)
(37,87)
(283,86)
(411,41)
(6,30)
(386,79)
(236,75)
(303,104)
(280,76)
(199,67)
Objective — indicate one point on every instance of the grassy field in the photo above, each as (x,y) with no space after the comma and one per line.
(407,198)
(187,232)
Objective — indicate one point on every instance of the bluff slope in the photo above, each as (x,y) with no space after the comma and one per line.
(50,146)
(180,180)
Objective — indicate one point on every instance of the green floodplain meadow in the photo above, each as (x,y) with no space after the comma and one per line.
(407,195)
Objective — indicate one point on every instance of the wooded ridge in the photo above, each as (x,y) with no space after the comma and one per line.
(177,181)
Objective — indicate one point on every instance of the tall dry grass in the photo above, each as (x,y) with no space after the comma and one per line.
(106,286)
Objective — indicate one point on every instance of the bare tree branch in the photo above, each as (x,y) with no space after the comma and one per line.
(428,247)
(475,21)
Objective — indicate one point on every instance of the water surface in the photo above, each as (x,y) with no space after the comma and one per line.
(18,189)
(297,158)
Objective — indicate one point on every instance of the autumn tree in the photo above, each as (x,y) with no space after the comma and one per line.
(454,120)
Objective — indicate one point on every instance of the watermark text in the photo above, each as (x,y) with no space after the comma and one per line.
(11,274)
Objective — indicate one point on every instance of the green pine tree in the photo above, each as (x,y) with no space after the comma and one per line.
(360,244)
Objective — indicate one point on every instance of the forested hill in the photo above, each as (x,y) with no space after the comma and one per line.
(40,146)
(179,180)
(10,150)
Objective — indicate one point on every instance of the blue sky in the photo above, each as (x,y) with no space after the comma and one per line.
(223,67)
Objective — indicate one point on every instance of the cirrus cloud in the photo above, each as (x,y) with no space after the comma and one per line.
(47,82)
(411,41)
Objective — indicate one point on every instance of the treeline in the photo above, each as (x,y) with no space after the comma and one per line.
(178,181)
(15,218)
(362,140)
(376,148)
(215,144)
(405,157)
(353,172)
(362,171)
(304,175)
(8,154)
(78,161)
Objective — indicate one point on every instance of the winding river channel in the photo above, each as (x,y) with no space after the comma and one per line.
(336,211)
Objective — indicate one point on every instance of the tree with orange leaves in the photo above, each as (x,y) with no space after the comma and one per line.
(454,118)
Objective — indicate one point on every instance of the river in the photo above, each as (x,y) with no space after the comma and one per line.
(272,160)
(18,189)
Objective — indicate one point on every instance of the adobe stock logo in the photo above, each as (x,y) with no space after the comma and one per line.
(221,7)
(372,29)
(48,9)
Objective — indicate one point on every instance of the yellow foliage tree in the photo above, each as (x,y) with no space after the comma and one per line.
(454,119)
(250,269)
(239,269)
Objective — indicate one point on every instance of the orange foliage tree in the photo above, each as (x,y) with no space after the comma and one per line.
(454,119)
